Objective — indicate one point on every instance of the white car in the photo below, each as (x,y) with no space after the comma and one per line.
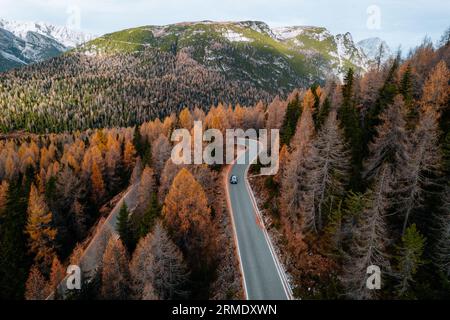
(233,180)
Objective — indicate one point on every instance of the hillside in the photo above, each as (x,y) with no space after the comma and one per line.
(135,75)
(251,50)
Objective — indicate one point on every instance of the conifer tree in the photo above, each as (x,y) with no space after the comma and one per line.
(391,143)
(124,227)
(420,170)
(115,273)
(293,113)
(327,176)
(40,230)
(409,259)
(350,122)
(187,217)
(36,286)
(369,239)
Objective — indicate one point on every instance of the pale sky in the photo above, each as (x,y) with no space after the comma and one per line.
(400,22)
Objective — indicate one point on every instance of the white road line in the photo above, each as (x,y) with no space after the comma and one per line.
(235,236)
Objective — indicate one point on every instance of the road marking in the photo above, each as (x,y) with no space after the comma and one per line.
(235,236)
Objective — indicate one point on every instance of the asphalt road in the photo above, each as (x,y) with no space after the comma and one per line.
(93,254)
(263,275)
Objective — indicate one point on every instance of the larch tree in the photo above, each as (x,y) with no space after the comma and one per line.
(420,170)
(147,186)
(327,177)
(187,216)
(35,287)
(436,89)
(391,143)
(185,119)
(115,273)
(161,150)
(40,230)
(98,185)
(369,239)
(168,271)
(57,274)
(295,195)
(4,186)
(140,270)
(158,263)
(441,251)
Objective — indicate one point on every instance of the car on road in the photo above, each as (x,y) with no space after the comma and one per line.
(233,180)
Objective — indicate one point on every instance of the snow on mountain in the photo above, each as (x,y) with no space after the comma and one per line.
(371,48)
(67,37)
(22,43)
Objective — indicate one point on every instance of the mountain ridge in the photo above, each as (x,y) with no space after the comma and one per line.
(23,43)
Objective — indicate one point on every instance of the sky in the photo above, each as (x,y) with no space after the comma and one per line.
(401,23)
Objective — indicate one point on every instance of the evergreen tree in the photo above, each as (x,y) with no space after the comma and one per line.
(409,259)
(150,216)
(14,262)
(385,98)
(293,113)
(124,227)
(350,122)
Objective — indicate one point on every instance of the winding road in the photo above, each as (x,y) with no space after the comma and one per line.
(263,275)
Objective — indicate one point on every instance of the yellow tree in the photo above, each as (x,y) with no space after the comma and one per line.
(436,89)
(187,216)
(36,286)
(129,155)
(185,119)
(39,229)
(98,185)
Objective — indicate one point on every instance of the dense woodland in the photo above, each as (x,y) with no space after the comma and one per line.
(364,180)
(77,92)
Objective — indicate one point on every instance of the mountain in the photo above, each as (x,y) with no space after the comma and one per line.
(250,50)
(22,43)
(372,46)
(131,76)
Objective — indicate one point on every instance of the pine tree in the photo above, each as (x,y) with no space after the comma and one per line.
(124,227)
(350,122)
(40,231)
(13,260)
(385,98)
(115,272)
(293,113)
(150,216)
(369,239)
(409,259)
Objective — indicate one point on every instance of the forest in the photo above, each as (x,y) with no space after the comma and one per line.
(364,180)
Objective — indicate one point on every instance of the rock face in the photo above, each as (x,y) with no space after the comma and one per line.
(22,43)
(374,48)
